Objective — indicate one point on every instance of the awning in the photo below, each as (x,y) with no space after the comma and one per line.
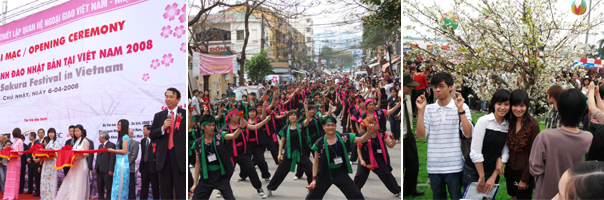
(300,71)
(373,65)
(396,60)
(280,70)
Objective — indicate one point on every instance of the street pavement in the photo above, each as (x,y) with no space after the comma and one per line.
(290,189)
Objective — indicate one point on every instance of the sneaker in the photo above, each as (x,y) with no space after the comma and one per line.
(260,191)
(398,195)
(240,179)
(268,180)
(267,194)
(219,195)
(296,178)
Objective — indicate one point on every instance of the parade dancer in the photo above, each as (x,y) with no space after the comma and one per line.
(331,164)
(295,141)
(239,147)
(256,141)
(213,164)
(373,156)
(314,128)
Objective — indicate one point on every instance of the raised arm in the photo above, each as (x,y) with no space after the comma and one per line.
(308,117)
(220,110)
(392,110)
(379,101)
(365,136)
(330,110)
(230,136)
(258,125)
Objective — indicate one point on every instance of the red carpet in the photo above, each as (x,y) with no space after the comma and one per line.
(25,196)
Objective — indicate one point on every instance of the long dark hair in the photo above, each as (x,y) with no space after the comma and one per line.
(123,131)
(519,96)
(501,95)
(79,126)
(54,131)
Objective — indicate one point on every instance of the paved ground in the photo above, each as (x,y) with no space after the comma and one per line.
(290,189)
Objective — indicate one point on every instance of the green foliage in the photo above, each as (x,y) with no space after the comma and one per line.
(387,15)
(258,66)
(374,36)
(336,58)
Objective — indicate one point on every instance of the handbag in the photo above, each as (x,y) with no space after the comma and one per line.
(466,143)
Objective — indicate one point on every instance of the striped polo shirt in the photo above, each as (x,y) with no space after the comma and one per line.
(444,146)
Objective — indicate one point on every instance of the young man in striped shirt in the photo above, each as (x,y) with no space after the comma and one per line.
(442,121)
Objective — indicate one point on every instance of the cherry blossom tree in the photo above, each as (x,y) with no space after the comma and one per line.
(530,41)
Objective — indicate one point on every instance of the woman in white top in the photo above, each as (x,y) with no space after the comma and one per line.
(76,185)
(489,148)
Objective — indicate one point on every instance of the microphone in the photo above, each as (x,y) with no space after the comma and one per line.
(169,117)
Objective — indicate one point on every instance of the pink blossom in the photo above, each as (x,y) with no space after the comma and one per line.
(167,59)
(218,136)
(166,31)
(182,18)
(155,64)
(171,12)
(184,8)
(179,31)
(145,76)
(183,47)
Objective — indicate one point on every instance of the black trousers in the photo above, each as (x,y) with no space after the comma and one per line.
(283,169)
(22,178)
(342,181)
(245,164)
(383,172)
(257,154)
(146,178)
(353,154)
(215,181)
(410,164)
(66,170)
(299,171)
(172,184)
(104,181)
(512,176)
(273,147)
(132,187)
(33,176)
(395,127)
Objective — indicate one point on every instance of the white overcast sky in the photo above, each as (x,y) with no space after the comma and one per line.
(320,20)
(561,5)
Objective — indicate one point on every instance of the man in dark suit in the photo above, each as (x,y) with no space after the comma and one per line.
(133,149)
(90,158)
(105,163)
(38,171)
(147,166)
(32,168)
(23,164)
(171,133)
(69,142)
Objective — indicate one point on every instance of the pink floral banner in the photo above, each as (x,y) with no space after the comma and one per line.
(206,64)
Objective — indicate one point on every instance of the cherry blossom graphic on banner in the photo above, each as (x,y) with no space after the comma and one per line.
(92,62)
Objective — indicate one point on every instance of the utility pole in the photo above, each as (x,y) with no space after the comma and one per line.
(262,33)
(588,19)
